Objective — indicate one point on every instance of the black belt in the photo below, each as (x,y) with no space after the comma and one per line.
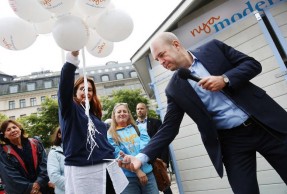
(249,121)
(246,123)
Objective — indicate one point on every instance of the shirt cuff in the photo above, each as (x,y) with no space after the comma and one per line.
(143,158)
(72,59)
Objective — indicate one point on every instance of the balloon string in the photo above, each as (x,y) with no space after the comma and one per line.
(87,104)
(91,135)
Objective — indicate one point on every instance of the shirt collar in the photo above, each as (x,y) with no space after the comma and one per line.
(194,57)
(194,63)
(141,122)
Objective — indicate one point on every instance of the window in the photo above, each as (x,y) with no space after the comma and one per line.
(23,115)
(33,102)
(54,96)
(12,117)
(133,74)
(43,98)
(22,103)
(31,86)
(48,84)
(13,89)
(105,78)
(120,76)
(11,105)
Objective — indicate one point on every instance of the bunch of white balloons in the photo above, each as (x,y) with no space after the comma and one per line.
(94,24)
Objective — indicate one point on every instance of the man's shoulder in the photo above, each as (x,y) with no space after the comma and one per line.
(207,49)
(153,120)
(211,42)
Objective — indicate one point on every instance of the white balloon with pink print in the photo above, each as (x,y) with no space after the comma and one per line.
(75,24)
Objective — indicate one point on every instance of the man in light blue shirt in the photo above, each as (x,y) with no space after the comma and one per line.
(232,114)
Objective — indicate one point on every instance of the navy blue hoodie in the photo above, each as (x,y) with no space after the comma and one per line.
(74,126)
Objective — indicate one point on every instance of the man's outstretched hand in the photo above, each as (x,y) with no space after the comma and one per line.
(129,162)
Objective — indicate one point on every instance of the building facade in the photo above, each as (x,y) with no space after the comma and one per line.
(21,96)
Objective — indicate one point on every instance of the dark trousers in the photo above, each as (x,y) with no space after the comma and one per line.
(109,185)
(239,147)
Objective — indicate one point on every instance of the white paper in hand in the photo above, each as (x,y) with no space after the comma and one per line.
(119,179)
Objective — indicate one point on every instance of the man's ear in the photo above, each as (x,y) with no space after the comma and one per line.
(176,44)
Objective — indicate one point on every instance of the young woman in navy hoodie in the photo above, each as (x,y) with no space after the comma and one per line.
(85,167)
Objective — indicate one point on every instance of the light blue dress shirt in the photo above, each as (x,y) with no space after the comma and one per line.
(224,112)
(142,124)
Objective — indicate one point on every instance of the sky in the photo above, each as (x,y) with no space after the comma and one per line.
(44,54)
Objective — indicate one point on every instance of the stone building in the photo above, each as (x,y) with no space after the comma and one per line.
(20,96)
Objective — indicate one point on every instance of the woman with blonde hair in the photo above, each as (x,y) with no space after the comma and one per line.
(125,136)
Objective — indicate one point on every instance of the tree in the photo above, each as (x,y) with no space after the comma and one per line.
(132,97)
(2,118)
(43,123)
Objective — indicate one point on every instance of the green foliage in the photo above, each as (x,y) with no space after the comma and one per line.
(152,114)
(132,97)
(43,123)
(2,118)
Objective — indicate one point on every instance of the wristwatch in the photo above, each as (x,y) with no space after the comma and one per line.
(225,79)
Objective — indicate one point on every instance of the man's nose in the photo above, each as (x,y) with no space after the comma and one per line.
(161,61)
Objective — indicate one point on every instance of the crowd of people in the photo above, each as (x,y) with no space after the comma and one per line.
(227,108)
(76,163)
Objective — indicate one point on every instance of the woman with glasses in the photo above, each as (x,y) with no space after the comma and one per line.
(84,136)
(125,136)
(23,161)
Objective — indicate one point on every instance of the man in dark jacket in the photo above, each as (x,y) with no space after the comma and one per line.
(235,118)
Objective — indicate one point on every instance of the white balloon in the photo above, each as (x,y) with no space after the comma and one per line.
(16,34)
(29,10)
(92,7)
(91,21)
(114,25)
(57,6)
(77,12)
(111,6)
(99,47)
(45,27)
(70,33)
